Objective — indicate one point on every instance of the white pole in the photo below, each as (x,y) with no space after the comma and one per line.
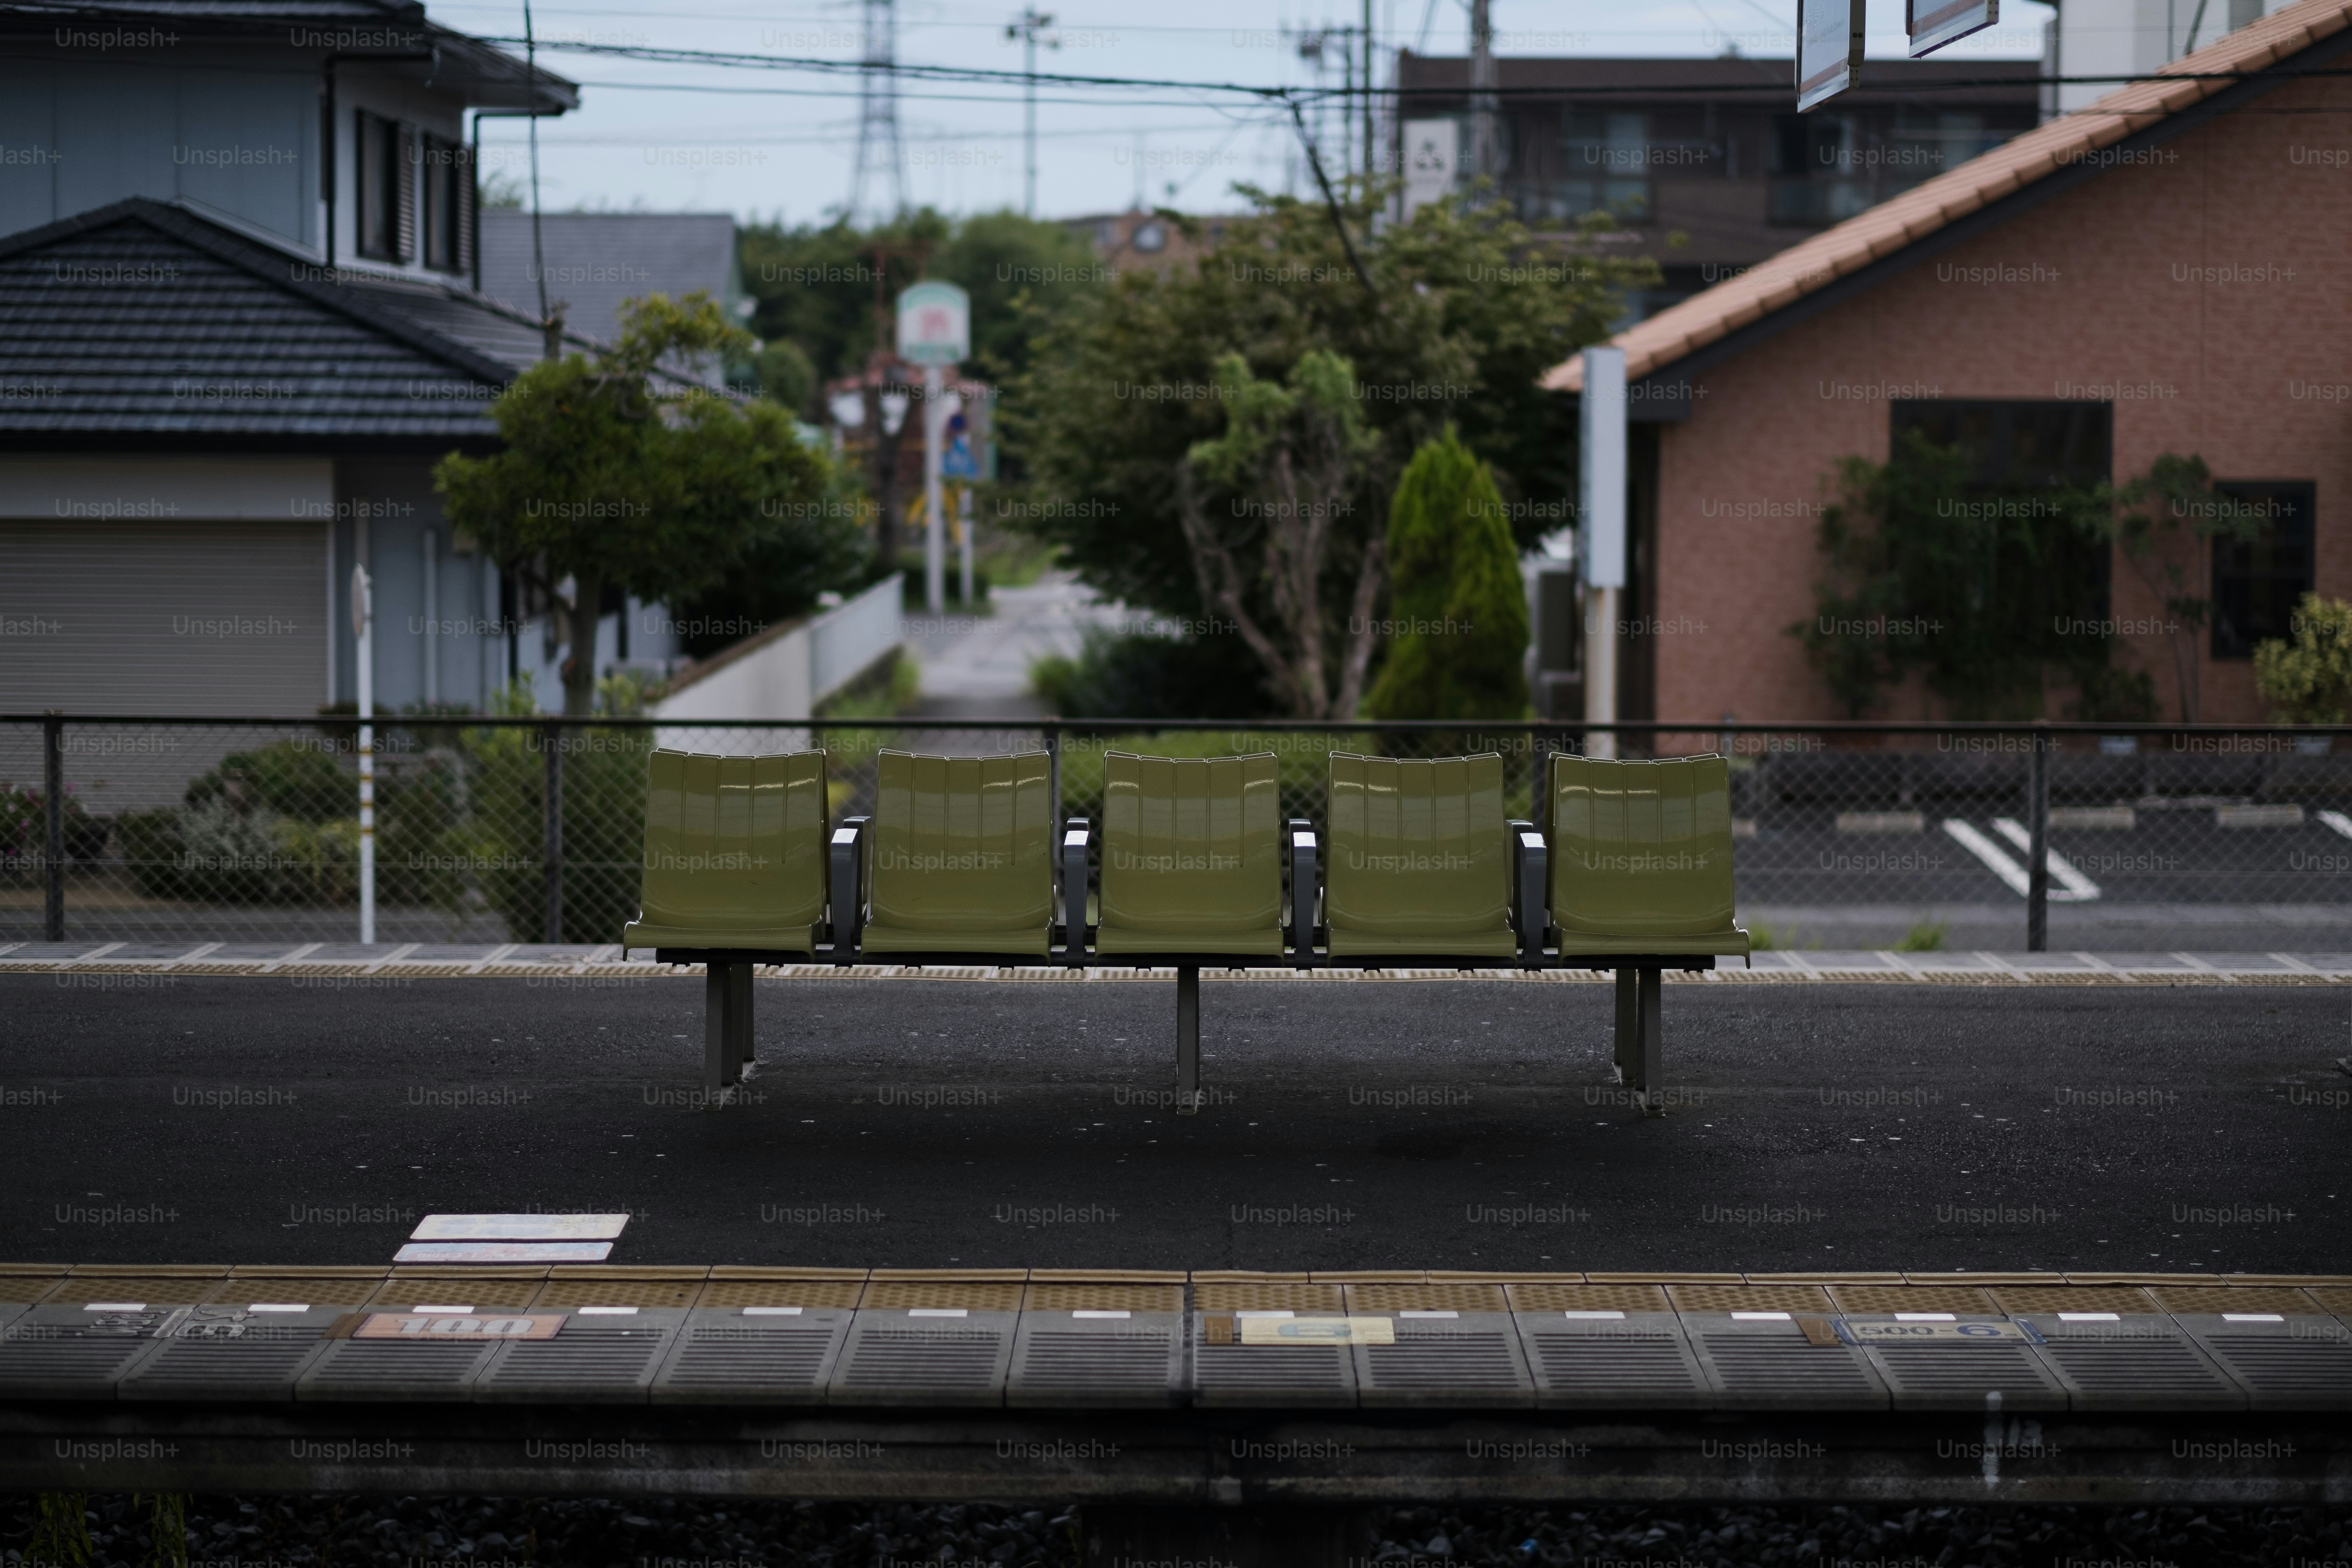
(363,621)
(432,551)
(1601,536)
(964,519)
(934,504)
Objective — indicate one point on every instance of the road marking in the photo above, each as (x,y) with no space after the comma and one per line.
(195,952)
(2080,889)
(305,951)
(492,957)
(393,956)
(1996,860)
(2337,820)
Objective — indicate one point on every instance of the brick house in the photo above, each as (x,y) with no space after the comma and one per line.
(2163,271)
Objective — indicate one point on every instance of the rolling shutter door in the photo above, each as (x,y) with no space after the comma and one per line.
(178,617)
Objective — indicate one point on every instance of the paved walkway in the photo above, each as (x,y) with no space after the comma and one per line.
(161,1115)
(977,667)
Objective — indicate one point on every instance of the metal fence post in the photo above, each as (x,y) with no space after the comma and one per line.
(2037,872)
(550,833)
(53,826)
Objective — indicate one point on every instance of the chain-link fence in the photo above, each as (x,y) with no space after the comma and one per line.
(494,830)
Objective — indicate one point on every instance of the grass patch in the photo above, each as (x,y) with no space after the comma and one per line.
(1927,936)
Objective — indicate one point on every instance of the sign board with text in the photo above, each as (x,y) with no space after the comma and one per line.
(1829,48)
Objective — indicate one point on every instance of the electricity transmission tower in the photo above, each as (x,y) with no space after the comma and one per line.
(878,120)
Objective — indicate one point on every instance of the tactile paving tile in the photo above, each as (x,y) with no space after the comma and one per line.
(228,1352)
(1266,1296)
(2130,1361)
(2182,1300)
(783,1354)
(2015,1299)
(1933,1370)
(154,1289)
(721,1295)
(2336,1298)
(973,1296)
(895,1356)
(1054,1297)
(1771,1364)
(23,1284)
(2295,1360)
(1322,1375)
(1958,1299)
(244,1289)
(1136,1359)
(1466,1359)
(1455,1297)
(71,1352)
(404,1293)
(595,1359)
(563,1295)
(1547,1298)
(1749,1299)
(1613,1359)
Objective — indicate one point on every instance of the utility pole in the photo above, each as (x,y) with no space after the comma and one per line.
(1485,154)
(1026,28)
(1369,157)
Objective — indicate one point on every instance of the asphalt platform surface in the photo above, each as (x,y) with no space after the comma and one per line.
(932,1123)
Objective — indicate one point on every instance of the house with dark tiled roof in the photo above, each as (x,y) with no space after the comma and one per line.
(238,325)
(2162,272)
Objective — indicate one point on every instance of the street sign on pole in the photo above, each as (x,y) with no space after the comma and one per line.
(934,324)
(1829,48)
(364,629)
(1932,24)
(934,331)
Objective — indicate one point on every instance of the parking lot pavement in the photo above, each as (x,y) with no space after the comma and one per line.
(1435,1124)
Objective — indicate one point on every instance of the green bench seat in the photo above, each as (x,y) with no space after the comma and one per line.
(1418,860)
(733,874)
(959,858)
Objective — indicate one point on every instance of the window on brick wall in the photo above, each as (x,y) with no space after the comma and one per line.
(2257,582)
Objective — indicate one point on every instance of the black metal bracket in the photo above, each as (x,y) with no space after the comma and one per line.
(846,883)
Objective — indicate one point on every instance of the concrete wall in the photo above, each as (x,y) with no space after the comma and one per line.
(2204,291)
(785,672)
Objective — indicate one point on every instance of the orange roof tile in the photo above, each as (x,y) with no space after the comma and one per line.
(1919,211)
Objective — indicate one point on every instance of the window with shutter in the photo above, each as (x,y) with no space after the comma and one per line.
(404,194)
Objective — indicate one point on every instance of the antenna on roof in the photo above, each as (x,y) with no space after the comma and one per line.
(538,253)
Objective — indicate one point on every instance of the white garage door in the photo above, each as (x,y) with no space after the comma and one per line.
(177,617)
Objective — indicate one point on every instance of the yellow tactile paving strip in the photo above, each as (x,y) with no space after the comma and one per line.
(311,1290)
(1748,1298)
(439,1290)
(973,1296)
(1455,1297)
(1577,1298)
(2014,1298)
(1266,1296)
(1875,1298)
(1072,1297)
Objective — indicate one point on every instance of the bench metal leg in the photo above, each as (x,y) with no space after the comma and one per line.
(718,1050)
(1629,1027)
(1188,1039)
(1651,1082)
(739,1016)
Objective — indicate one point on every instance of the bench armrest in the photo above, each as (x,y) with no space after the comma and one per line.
(1077,832)
(847,880)
(1305,883)
(1531,875)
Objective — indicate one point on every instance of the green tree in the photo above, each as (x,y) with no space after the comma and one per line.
(2309,679)
(616,474)
(1980,590)
(1456,599)
(1455,319)
(1270,489)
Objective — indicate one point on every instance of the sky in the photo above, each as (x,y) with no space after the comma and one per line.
(767,144)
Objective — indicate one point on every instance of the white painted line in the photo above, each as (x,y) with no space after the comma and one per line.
(2088,1318)
(2337,820)
(195,952)
(772,1311)
(280,1307)
(2093,960)
(1923,1318)
(98,952)
(2252,1318)
(2195,963)
(1996,860)
(1760,1317)
(2080,889)
(491,957)
(1589,1315)
(608,1311)
(1429,1314)
(520,1228)
(2292,962)
(10,947)
(114,1306)
(305,951)
(1098,1312)
(937,1312)
(397,954)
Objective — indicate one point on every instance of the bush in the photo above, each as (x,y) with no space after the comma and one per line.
(1140,676)
(1455,594)
(2309,679)
(24,830)
(604,818)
